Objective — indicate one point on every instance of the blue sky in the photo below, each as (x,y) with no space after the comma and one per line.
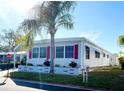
(101,22)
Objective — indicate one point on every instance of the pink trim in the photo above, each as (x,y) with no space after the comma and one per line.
(76,51)
(30,54)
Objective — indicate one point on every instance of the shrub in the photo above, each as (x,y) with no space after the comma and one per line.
(121,61)
(64,66)
(47,63)
(23,64)
(73,64)
(29,64)
(16,64)
(122,66)
(57,65)
(39,65)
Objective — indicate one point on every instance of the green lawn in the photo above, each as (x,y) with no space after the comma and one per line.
(107,78)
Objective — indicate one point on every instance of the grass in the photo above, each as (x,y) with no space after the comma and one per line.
(109,79)
(106,78)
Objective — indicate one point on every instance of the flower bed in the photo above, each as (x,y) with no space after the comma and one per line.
(58,70)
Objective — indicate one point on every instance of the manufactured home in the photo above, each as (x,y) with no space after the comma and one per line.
(80,50)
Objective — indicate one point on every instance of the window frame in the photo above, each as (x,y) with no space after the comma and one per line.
(65,51)
(97,54)
(45,51)
(59,52)
(87,52)
(108,56)
(104,55)
(35,52)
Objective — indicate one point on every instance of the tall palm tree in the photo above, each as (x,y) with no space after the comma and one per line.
(49,16)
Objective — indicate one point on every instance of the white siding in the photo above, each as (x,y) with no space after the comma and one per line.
(60,61)
(93,61)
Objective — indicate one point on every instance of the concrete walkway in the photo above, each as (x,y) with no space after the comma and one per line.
(11,86)
(4,72)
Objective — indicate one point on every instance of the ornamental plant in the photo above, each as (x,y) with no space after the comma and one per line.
(73,64)
(46,63)
(29,64)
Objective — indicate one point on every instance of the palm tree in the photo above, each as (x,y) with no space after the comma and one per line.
(49,16)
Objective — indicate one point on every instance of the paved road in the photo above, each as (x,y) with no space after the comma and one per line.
(44,86)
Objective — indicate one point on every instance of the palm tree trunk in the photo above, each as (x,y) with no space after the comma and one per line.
(52,53)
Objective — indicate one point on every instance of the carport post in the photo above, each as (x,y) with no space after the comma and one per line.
(15,54)
(14,59)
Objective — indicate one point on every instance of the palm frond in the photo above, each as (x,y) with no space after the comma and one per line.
(50,15)
(66,7)
(26,41)
(67,25)
(65,21)
(30,24)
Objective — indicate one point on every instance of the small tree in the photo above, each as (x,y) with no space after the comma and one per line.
(121,40)
(8,39)
(121,43)
(121,61)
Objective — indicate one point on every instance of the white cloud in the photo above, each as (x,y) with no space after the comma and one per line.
(21,5)
(91,35)
(12,12)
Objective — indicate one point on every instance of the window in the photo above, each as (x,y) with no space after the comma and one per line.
(103,54)
(87,49)
(69,51)
(60,52)
(43,52)
(1,57)
(97,54)
(35,52)
(107,56)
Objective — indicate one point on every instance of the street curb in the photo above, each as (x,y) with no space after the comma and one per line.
(59,85)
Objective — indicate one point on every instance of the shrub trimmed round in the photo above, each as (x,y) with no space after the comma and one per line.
(122,66)
(73,64)
(47,63)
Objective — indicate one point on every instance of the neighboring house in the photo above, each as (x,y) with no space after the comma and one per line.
(80,50)
(19,56)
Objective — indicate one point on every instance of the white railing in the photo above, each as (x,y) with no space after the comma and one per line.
(58,70)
